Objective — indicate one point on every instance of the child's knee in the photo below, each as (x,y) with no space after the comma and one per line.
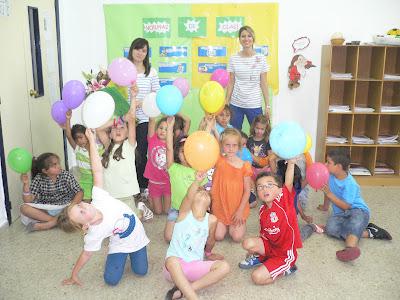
(111,279)
(224,267)
(141,270)
(248,244)
(261,278)
(219,236)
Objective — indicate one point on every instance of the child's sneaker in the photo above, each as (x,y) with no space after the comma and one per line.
(291,271)
(378,233)
(147,213)
(250,262)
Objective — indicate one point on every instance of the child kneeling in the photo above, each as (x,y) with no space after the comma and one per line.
(106,217)
(279,233)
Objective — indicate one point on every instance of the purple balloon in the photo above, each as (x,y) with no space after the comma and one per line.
(122,71)
(221,76)
(73,93)
(183,85)
(58,112)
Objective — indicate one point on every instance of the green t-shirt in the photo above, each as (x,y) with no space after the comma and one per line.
(181,178)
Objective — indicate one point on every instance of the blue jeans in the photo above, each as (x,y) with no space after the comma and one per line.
(239,112)
(352,221)
(115,265)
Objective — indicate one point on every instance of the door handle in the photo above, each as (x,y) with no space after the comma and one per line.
(33,93)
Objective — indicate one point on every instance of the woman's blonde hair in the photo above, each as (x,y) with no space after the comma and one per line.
(232,132)
(248,29)
(64,221)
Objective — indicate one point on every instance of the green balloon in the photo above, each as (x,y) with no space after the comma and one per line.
(20,160)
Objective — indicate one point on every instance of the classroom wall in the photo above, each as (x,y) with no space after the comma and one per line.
(83,42)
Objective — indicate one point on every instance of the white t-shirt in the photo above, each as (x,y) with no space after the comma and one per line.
(120,178)
(119,222)
(247,89)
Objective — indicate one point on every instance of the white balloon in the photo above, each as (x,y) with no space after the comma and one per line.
(150,107)
(97,109)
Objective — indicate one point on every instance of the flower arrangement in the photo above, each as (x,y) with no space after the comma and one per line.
(95,82)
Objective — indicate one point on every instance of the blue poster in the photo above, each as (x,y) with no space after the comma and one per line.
(126,52)
(173,51)
(263,50)
(172,67)
(210,67)
(166,81)
(211,51)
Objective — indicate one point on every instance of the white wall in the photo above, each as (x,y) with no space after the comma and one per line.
(83,41)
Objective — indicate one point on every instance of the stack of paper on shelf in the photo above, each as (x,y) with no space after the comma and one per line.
(386,108)
(359,170)
(382,168)
(363,109)
(388,139)
(391,77)
(362,139)
(335,75)
(336,139)
(339,108)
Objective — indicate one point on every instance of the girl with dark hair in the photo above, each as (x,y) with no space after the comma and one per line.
(50,191)
(147,82)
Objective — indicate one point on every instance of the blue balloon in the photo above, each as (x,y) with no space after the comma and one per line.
(287,140)
(169,100)
(245,155)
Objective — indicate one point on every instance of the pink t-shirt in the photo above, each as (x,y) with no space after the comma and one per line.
(156,167)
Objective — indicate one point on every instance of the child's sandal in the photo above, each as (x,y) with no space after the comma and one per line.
(171,293)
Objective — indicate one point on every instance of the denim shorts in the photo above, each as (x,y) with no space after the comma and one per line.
(172,215)
(352,221)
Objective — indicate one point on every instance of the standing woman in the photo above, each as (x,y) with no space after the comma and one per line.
(147,82)
(248,81)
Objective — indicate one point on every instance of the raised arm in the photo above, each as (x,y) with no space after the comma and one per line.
(130,117)
(151,127)
(170,141)
(289,175)
(187,201)
(187,121)
(97,168)
(68,129)
(103,134)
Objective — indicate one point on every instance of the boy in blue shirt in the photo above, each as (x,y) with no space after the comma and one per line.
(350,216)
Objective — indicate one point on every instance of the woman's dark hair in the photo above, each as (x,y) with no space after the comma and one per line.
(106,155)
(77,128)
(277,178)
(138,44)
(43,161)
(177,146)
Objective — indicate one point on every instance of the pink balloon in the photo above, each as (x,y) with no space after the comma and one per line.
(122,71)
(183,85)
(221,76)
(317,175)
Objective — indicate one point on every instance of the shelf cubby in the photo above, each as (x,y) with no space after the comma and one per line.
(391,93)
(392,61)
(368,94)
(366,125)
(340,125)
(365,156)
(342,92)
(344,59)
(389,124)
(370,63)
(389,156)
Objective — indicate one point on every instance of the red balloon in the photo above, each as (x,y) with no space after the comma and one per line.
(317,175)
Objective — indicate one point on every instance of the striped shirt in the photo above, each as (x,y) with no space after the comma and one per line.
(83,160)
(146,85)
(247,89)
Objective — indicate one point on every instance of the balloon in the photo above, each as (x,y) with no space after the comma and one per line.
(221,76)
(212,97)
(201,150)
(150,107)
(317,175)
(122,71)
(308,143)
(169,100)
(97,109)
(20,160)
(287,140)
(73,93)
(245,154)
(183,85)
(58,112)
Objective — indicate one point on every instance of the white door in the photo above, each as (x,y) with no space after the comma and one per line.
(26,119)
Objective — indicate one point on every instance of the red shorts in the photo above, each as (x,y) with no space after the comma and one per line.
(277,263)
(157,190)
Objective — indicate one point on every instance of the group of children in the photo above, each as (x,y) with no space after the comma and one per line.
(196,217)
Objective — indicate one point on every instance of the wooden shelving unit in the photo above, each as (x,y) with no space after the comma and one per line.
(367,88)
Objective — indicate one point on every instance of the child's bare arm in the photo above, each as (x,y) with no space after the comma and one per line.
(170,141)
(187,201)
(289,175)
(97,168)
(335,200)
(68,129)
(131,116)
(26,192)
(151,127)
(82,260)
(187,121)
(237,218)
(212,225)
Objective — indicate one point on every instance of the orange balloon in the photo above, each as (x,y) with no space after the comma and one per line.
(201,150)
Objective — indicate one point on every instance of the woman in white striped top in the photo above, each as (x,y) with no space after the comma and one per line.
(248,81)
(147,82)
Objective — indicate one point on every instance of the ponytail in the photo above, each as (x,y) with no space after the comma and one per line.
(117,154)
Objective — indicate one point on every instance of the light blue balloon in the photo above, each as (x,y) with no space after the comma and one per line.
(287,139)
(245,155)
(169,100)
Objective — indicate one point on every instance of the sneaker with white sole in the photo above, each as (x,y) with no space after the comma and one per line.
(147,213)
(378,233)
(250,262)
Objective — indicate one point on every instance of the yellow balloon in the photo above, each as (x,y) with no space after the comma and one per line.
(212,97)
(122,89)
(201,150)
(308,143)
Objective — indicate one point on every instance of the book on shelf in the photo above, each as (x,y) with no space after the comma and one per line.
(388,108)
(336,139)
(358,170)
(388,139)
(339,108)
(391,77)
(364,109)
(382,168)
(362,139)
(335,75)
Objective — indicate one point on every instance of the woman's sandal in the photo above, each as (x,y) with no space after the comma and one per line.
(171,293)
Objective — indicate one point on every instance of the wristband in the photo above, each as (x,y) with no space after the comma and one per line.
(26,194)
(207,253)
